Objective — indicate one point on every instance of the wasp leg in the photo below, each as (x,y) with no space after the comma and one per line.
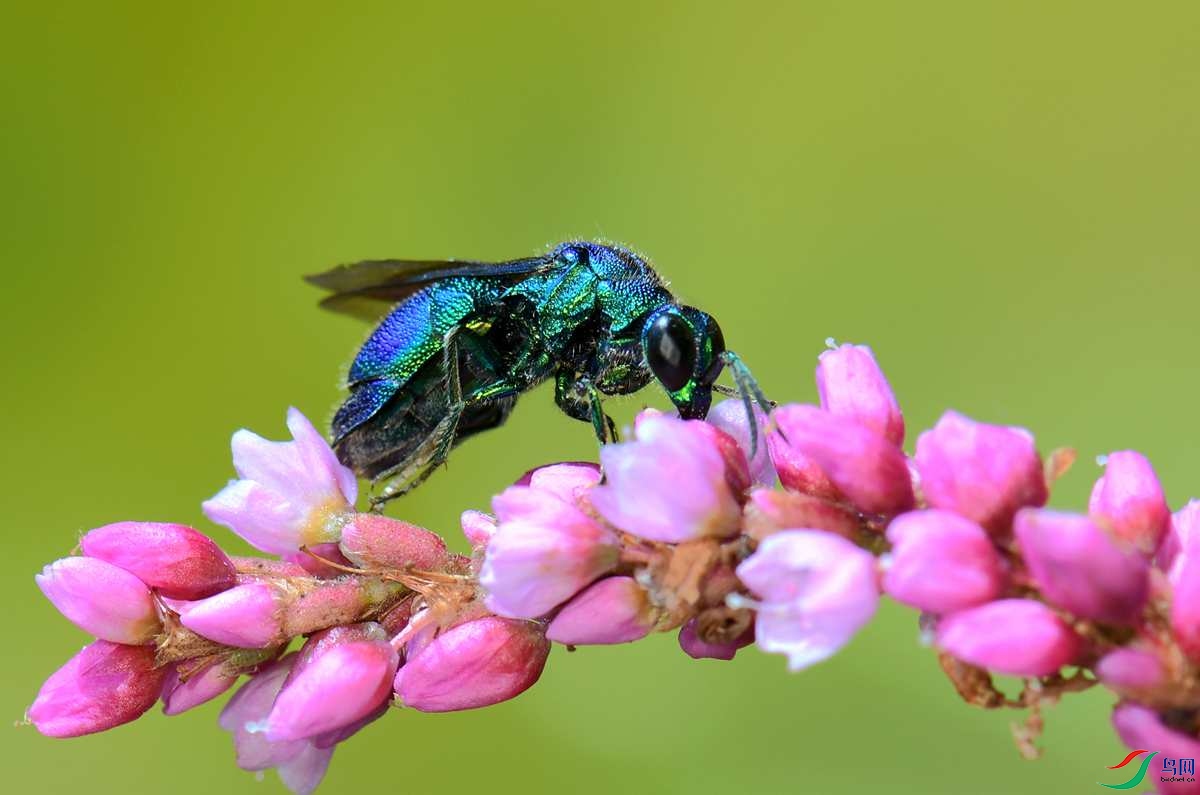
(435,449)
(424,461)
(579,398)
(602,424)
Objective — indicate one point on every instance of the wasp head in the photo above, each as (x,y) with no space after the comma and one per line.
(683,348)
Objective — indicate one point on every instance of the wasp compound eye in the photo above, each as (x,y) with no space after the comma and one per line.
(671,351)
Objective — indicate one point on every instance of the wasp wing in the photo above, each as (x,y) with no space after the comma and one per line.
(368,290)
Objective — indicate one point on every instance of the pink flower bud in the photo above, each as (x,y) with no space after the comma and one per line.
(817,591)
(983,472)
(1140,727)
(737,467)
(307,606)
(1185,599)
(396,617)
(302,773)
(543,552)
(1183,533)
(1019,637)
(698,649)
(101,599)
(101,687)
(245,713)
(866,467)
(1079,568)
(941,562)
(248,616)
(342,675)
(300,763)
(614,610)
(570,481)
(250,569)
(669,485)
(1128,501)
(730,416)
(199,686)
(851,384)
(289,495)
(800,472)
(371,540)
(1128,670)
(316,566)
(476,664)
(769,511)
(478,528)
(177,561)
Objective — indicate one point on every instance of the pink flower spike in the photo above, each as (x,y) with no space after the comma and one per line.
(478,528)
(175,560)
(373,541)
(730,416)
(698,649)
(301,764)
(247,616)
(342,675)
(817,591)
(1141,727)
(101,599)
(669,485)
(1128,501)
(1019,637)
(941,562)
(103,686)
(289,494)
(1079,568)
(201,686)
(871,471)
(851,384)
(983,472)
(1129,670)
(544,551)
(614,610)
(476,664)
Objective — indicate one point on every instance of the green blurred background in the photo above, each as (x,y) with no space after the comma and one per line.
(999,197)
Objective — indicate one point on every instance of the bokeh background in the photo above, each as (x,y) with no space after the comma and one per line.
(999,197)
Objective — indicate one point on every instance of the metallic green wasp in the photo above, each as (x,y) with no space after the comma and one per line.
(461,341)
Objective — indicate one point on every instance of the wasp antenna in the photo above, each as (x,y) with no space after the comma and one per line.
(745,379)
(750,393)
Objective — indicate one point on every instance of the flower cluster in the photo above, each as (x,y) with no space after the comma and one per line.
(386,613)
(786,535)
